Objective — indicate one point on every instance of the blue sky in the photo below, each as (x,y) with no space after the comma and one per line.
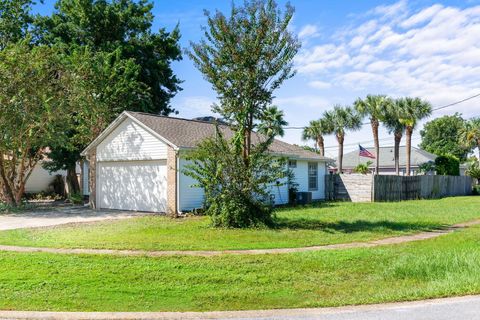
(429,49)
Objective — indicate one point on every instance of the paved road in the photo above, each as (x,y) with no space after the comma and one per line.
(462,308)
(59,214)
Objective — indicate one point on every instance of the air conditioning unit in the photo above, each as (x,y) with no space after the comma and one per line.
(304,197)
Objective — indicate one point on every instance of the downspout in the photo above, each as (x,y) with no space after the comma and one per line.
(177,189)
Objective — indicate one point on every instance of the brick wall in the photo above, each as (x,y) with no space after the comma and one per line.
(171,182)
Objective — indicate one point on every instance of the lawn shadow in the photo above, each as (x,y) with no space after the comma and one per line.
(354,226)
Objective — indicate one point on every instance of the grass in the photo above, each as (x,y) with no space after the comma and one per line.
(326,223)
(445,266)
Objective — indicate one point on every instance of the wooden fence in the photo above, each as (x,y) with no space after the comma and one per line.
(397,188)
(366,188)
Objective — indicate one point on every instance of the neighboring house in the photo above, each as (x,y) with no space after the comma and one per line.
(137,163)
(387,160)
(40,179)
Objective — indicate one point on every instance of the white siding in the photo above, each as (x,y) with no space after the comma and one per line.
(301,177)
(192,198)
(132,185)
(40,179)
(189,197)
(129,141)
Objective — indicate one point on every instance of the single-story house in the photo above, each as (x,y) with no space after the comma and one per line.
(137,164)
(40,179)
(387,160)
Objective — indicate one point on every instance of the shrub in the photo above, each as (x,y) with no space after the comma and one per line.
(474,171)
(76,198)
(363,168)
(447,165)
(237,194)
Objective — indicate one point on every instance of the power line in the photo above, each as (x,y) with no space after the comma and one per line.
(433,110)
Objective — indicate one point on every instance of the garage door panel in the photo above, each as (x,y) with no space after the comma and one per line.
(135,185)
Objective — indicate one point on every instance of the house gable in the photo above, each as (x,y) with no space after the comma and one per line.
(130,141)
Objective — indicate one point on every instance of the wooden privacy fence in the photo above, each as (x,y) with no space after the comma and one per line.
(397,188)
(366,188)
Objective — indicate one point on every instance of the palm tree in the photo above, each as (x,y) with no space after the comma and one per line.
(470,135)
(273,122)
(374,107)
(411,112)
(342,119)
(395,127)
(315,131)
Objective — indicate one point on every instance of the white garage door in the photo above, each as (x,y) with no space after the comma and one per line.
(132,185)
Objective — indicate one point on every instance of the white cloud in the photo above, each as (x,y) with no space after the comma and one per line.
(194,106)
(308,31)
(319,84)
(433,52)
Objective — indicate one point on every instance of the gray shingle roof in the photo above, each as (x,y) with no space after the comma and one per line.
(185,133)
(387,159)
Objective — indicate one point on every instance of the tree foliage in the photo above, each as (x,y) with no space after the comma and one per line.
(375,108)
(102,85)
(230,199)
(411,111)
(470,135)
(394,125)
(123,26)
(363,168)
(441,136)
(316,130)
(246,57)
(447,165)
(15,18)
(340,120)
(33,113)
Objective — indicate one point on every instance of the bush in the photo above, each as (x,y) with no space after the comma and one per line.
(76,198)
(237,194)
(363,168)
(447,165)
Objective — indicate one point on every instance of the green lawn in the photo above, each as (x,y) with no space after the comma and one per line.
(445,266)
(325,223)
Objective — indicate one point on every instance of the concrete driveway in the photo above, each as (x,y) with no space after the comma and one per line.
(57,214)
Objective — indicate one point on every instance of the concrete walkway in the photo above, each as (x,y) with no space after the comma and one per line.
(52,215)
(460,308)
(368,244)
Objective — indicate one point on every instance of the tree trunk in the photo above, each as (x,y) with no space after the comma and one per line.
(72,181)
(374,123)
(340,139)
(321,146)
(398,139)
(409,132)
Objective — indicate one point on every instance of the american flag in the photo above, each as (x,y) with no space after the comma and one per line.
(365,153)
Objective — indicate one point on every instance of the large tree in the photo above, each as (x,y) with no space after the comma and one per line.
(316,130)
(374,107)
(33,113)
(441,136)
(396,127)
(102,85)
(123,25)
(342,119)
(412,110)
(246,56)
(15,19)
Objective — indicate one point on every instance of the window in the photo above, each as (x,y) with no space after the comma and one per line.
(292,163)
(312,176)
